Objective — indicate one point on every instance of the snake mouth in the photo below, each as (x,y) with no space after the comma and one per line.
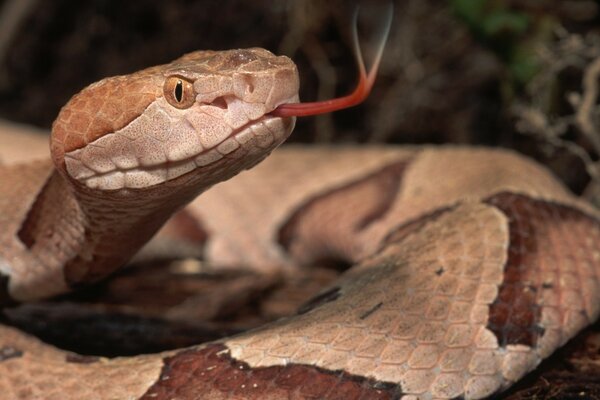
(264,132)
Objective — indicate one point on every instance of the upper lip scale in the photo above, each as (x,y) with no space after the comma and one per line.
(168,163)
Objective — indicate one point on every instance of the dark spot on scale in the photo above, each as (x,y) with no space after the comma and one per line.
(81,359)
(540,330)
(317,301)
(371,310)
(547,285)
(440,271)
(8,352)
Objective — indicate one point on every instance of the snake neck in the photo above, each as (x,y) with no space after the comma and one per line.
(89,234)
(52,231)
(117,224)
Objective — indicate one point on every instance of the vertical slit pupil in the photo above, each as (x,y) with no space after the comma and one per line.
(179,91)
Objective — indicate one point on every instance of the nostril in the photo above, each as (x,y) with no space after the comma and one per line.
(220,102)
(249,84)
(249,88)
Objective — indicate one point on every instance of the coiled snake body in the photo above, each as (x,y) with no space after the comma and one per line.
(470,265)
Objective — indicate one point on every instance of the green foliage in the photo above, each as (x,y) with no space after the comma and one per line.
(490,18)
(510,33)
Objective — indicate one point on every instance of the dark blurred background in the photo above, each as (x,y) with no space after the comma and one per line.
(493,72)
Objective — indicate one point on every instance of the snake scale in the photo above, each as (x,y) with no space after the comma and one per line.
(470,265)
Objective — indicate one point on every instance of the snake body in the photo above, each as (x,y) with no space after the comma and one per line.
(470,266)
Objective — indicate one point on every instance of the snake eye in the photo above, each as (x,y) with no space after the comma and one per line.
(179,92)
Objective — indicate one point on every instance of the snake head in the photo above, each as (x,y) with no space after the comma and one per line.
(202,118)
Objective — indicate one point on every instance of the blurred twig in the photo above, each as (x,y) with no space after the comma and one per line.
(587,106)
(306,18)
(576,130)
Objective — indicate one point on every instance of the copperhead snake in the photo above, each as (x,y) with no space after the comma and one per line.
(470,265)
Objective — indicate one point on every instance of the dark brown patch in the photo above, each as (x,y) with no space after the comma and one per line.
(211,373)
(398,234)
(184,226)
(515,314)
(325,297)
(515,311)
(328,221)
(52,220)
(387,181)
(8,352)
(5,298)
(53,229)
(371,311)
(30,227)
(29,230)
(103,331)
(81,359)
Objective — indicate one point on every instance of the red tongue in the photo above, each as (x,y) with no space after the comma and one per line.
(365,82)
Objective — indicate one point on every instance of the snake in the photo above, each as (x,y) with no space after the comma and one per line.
(469,265)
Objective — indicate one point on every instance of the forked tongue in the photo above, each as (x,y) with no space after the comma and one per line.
(365,82)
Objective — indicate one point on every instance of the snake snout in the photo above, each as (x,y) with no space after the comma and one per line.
(270,88)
